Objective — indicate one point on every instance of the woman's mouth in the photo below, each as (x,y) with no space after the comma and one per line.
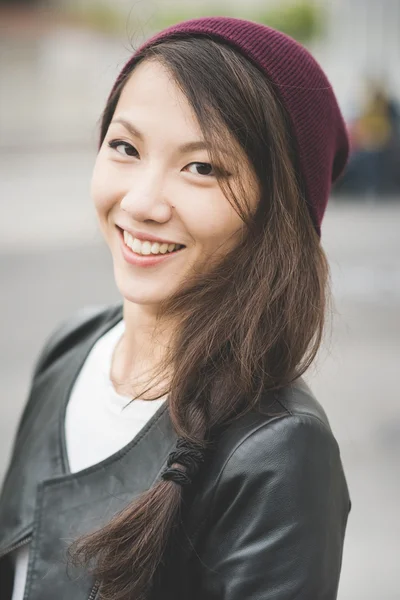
(146,253)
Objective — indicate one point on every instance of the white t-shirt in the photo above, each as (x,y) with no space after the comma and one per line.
(96,414)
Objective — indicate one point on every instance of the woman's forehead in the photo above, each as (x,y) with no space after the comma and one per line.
(151,86)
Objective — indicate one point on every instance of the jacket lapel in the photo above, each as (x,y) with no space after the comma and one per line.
(74,504)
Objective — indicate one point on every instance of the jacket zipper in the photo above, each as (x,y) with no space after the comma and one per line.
(94,590)
(13,547)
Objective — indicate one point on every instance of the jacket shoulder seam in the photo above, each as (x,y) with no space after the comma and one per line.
(62,331)
(288,417)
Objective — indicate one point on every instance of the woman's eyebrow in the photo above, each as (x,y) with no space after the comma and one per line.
(184,148)
(129,126)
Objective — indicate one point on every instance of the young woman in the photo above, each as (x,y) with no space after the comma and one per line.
(169,448)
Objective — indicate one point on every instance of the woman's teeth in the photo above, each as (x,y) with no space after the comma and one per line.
(146,248)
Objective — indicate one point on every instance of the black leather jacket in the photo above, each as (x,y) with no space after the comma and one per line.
(265,520)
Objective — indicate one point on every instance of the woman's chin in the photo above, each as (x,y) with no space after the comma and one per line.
(147,287)
(138,292)
(142,299)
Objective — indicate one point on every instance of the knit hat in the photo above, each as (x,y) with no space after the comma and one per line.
(318,127)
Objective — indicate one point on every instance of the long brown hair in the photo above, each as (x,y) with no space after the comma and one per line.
(251,323)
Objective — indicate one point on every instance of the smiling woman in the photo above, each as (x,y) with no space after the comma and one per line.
(221,479)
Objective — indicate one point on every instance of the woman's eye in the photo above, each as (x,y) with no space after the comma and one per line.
(123,148)
(202,169)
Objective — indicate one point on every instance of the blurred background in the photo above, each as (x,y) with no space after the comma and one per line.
(58,60)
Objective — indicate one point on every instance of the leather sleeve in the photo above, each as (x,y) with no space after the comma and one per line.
(279,518)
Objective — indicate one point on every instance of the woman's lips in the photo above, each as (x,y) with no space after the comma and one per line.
(140,260)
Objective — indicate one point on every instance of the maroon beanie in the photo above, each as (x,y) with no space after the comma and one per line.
(303,88)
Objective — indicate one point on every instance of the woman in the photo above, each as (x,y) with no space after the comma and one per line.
(222,478)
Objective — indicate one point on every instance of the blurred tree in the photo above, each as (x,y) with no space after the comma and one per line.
(301,20)
(100,15)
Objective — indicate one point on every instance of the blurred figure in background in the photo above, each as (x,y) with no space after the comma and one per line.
(375,137)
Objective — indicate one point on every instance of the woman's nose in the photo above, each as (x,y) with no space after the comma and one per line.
(146,200)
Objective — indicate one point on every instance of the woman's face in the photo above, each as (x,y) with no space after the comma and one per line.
(153,180)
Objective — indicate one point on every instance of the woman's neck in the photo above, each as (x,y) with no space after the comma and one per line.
(139,352)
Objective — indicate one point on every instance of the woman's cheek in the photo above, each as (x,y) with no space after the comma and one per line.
(211,222)
(96,184)
(102,189)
